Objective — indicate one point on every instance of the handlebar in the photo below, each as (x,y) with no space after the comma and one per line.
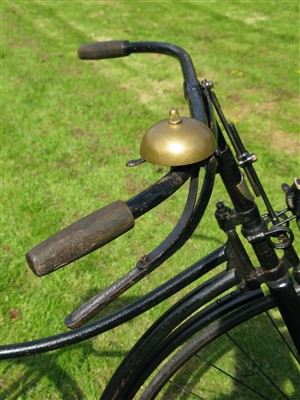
(102,226)
(108,223)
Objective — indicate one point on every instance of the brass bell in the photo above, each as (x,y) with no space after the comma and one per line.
(177,141)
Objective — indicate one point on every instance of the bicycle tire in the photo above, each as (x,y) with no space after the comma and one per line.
(210,335)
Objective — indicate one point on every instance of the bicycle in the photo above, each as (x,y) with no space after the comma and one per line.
(229,299)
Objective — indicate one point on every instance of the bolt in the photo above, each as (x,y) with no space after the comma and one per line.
(144,259)
(222,211)
(207,83)
(220,205)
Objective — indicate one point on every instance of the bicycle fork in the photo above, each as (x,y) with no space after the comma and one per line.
(274,272)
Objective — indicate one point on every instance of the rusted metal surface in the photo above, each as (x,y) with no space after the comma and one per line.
(160,191)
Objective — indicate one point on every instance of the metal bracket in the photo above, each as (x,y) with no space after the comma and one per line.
(246,158)
(228,218)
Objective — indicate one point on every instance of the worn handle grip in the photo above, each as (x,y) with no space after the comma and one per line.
(100,50)
(80,238)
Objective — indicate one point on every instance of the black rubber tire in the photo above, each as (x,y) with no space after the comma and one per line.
(198,343)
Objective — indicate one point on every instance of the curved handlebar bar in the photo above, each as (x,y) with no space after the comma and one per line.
(121,48)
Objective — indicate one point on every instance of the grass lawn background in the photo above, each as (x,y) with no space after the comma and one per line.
(68,128)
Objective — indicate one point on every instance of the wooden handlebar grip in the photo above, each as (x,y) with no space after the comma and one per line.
(80,238)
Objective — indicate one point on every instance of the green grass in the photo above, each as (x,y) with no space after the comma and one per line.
(68,128)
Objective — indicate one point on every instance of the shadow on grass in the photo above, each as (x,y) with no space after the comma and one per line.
(45,370)
(34,370)
(25,374)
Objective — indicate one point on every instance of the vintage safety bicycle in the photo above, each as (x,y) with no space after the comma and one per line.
(171,358)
